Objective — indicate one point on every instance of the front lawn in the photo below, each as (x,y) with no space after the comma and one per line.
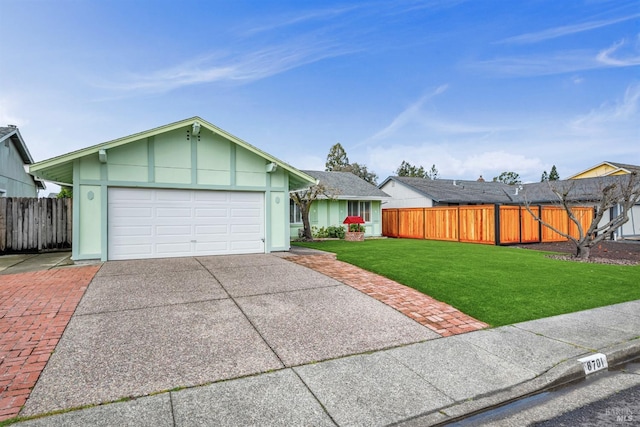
(496,284)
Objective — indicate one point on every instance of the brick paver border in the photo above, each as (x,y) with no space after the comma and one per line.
(35,309)
(435,315)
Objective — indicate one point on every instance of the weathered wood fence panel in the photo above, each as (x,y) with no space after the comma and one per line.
(487,224)
(30,224)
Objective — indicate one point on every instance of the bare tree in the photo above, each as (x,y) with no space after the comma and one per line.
(304,198)
(621,191)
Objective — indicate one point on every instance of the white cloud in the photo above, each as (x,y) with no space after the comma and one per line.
(606,57)
(244,67)
(410,114)
(609,116)
(454,161)
(552,33)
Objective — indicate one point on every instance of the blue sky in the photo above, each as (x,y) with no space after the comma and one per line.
(474,87)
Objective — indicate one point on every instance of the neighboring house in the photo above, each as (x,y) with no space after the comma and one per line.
(606,169)
(183,189)
(350,195)
(14,156)
(409,192)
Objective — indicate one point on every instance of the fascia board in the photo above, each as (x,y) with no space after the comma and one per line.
(168,128)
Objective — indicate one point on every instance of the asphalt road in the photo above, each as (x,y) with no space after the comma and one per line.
(606,398)
(622,408)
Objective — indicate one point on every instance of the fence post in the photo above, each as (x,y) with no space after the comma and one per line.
(3,224)
(496,223)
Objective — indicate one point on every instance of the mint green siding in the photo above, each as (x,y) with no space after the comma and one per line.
(325,213)
(174,159)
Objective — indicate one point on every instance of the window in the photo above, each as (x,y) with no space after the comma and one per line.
(361,209)
(295,216)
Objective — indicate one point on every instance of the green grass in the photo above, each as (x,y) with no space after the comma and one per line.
(496,284)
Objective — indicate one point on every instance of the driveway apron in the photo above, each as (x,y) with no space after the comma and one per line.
(147,326)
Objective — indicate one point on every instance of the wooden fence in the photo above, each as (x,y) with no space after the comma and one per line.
(34,225)
(487,224)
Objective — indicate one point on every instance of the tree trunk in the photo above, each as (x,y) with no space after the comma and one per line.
(306,224)
(583,251)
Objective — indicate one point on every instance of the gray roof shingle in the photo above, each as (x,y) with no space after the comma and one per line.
(348,186)
(466,192)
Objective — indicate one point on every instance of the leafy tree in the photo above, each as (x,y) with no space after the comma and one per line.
(544,177)
(407,169)
(65,193)
(510,178)
(337,159)
(621,191)
(304,198)
(551,176)
(433,172)
(363,172)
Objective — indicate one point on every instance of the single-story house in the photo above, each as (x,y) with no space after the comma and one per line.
(349,195)
(15,181)
(606,169)
(182,189)
(408,192)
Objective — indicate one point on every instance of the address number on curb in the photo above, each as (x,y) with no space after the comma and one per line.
(595,362)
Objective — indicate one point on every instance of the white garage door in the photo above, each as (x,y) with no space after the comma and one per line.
(149,223)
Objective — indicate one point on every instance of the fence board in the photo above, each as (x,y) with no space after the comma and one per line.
(30,225)
(477,224)
(510,224)
(529,227)
(411,223)
(441,223)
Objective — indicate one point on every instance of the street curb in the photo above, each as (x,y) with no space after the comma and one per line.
(565,372)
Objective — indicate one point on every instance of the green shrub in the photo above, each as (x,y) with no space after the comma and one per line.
(356,227)
(335,231)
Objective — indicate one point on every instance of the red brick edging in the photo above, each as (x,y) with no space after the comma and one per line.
(35,309)
(435,315)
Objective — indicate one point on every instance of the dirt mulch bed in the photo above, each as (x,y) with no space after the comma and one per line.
(606,252)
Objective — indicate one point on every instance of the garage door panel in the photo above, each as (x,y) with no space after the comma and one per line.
(129,194)
(148,223)
(176,212)
(127,231)
(211,213)
(173,230)
(172,195)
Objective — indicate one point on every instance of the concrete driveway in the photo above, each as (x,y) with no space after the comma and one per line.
(154,325)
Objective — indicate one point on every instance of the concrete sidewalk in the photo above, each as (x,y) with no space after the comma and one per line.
(23,263)
(242,340)
(425,383)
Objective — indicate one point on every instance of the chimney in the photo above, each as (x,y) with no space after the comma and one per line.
(12,126)
(454,182)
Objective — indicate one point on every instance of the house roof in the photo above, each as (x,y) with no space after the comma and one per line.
(60,169)
(13,134)
(616,168)
(348,186)
(465,192)
(457,191)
